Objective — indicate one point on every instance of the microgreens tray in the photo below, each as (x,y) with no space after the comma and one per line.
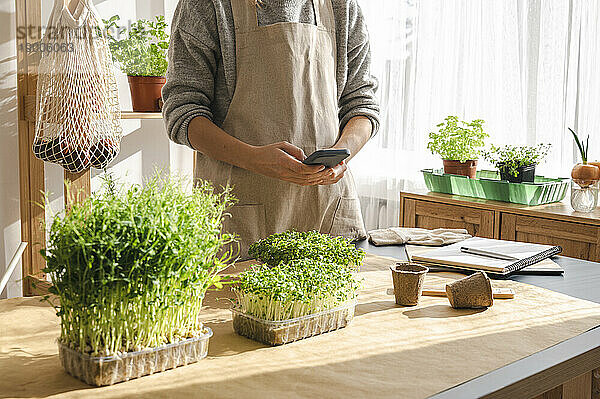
(285,331)
(110,370)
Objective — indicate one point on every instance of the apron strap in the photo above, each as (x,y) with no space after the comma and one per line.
(317,7)
(324,14)
(245,18)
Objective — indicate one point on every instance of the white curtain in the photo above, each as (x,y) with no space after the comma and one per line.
(528,68)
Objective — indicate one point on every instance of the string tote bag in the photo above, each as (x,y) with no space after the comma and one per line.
(78,123)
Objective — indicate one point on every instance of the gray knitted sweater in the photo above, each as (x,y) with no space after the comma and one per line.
(202,71)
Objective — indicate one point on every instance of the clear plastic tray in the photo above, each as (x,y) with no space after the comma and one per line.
(282,332)
(110,370)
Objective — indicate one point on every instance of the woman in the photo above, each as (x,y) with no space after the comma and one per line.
(254,89)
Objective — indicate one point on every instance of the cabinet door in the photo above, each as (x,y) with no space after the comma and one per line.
(433,215)
(577,240)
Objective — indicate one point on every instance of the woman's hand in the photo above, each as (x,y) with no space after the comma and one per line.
(334,174)
(284,161)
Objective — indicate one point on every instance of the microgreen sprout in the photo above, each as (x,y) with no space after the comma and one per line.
(131,266)
(292,245)
(510,158)
(288,291)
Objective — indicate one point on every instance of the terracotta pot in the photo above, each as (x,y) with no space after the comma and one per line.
(146,93)
(467,168)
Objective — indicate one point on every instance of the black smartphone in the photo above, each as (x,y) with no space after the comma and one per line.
(328,158)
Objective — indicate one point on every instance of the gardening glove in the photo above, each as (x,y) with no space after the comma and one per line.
(410,235)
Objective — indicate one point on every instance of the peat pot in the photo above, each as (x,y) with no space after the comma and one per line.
(146,92)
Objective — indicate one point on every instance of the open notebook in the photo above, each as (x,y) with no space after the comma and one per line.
(529,258)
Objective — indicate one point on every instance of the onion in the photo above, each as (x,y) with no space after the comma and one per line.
(585,174)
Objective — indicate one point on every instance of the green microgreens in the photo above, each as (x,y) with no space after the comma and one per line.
(131,267)
(293,290)
(292,245)
(510,158)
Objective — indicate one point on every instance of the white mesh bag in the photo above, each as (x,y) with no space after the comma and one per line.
(78,121)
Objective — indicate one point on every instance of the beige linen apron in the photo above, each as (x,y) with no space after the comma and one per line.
(285,91)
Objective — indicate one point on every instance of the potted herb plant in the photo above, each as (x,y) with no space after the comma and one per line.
(130,269)
(458,143)
(142,55)
(288,302)
(517,163)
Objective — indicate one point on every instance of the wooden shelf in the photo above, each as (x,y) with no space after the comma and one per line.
(140,115)
(29,111)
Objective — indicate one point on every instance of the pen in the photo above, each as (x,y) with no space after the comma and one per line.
(488,254)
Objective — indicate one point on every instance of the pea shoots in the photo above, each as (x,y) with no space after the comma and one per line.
(131,267)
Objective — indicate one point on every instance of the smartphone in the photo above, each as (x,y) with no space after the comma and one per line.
(328,158)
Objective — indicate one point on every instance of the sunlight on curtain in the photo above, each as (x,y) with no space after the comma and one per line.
(528,68)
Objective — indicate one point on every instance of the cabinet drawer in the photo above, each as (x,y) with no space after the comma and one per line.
(433,215)
(577,240)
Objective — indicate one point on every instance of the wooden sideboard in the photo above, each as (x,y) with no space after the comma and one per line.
(555,224)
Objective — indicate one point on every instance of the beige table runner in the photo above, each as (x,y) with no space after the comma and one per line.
(387,351)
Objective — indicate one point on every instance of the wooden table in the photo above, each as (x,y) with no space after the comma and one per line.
(563,371)
(554,224)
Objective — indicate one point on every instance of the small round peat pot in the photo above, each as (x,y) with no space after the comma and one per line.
(474,292)
(408,281)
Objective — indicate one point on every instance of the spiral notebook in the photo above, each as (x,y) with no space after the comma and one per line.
(452,256)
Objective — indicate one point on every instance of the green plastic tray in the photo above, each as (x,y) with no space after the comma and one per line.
(488,185)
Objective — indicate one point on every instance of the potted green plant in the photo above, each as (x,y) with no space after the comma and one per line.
(517,163)
(458,143)
(130,269)
(289,302)
(142,55)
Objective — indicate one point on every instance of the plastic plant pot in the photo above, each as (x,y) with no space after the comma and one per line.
(285,331)
(109,370)
(524,174)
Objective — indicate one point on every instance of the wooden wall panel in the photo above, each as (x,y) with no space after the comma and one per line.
(31,170)
(79,188)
